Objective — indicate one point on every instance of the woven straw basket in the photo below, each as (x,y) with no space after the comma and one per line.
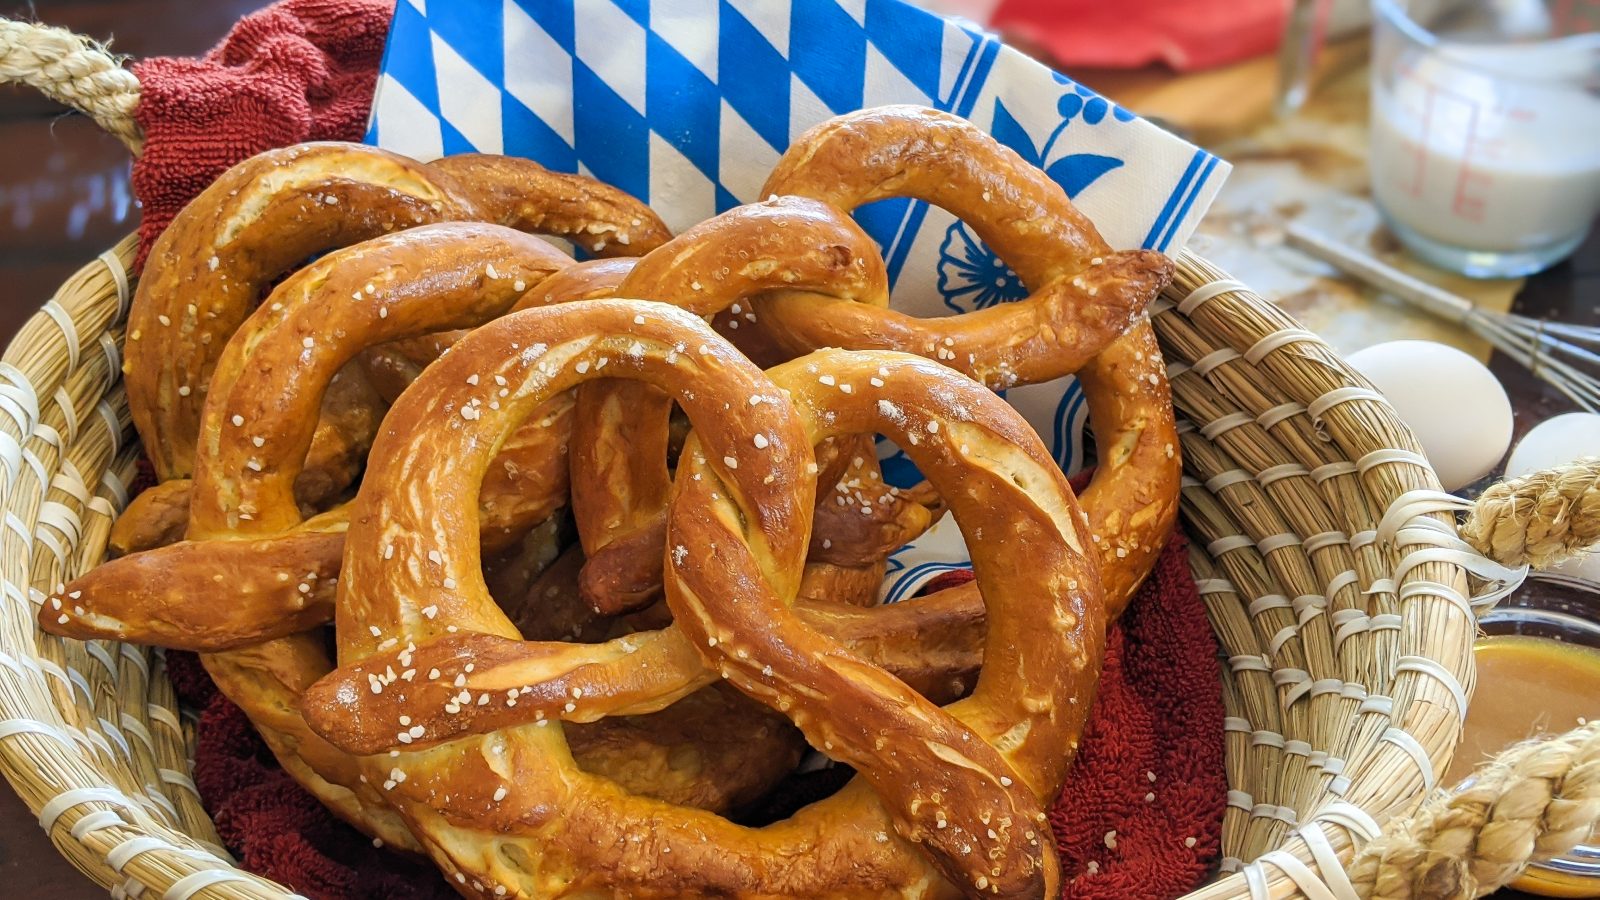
(1327,556)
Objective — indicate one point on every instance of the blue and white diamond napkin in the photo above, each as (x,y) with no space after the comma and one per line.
(687,104)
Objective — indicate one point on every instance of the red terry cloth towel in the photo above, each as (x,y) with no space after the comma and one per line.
(300,70)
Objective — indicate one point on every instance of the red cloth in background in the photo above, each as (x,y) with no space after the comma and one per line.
(1184,34)
(300,70)
(305,70)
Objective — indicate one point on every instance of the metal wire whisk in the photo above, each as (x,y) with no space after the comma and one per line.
(1565,356)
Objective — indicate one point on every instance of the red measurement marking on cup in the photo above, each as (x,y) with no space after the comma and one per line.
(1465,204)
(1442,104)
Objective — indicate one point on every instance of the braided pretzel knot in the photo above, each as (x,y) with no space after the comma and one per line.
(1081,291)
(242,517)
(620,433)
(244,522)
(793,245)
(266,216)
(508,810)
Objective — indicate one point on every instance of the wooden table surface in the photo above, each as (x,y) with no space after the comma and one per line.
(64,197)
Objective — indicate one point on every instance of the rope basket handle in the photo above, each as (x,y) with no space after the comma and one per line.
(1533,802)
(1538,519)
(73,70)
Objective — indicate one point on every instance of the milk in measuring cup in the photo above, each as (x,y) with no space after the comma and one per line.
(1490,148)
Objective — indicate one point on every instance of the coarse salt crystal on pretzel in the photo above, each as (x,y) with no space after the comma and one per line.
(266,216)
(620,453)
(1082,292)
(953,793)
(280,570)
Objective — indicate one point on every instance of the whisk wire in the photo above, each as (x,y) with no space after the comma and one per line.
(1554,352)
(1559,353)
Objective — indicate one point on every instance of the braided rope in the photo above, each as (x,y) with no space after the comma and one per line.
(75,71)
(1540,518)
(1534,802)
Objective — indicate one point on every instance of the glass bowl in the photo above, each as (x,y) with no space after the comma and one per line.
(1560,608)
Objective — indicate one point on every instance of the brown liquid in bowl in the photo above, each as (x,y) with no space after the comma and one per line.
(1527,686)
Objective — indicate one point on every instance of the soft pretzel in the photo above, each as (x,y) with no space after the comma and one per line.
(267,215)
(811,250)
(436,274)
(282,571)
(350,412)
(1082,293)
(243,514)
(1130,501)
(953,793)
(620,436)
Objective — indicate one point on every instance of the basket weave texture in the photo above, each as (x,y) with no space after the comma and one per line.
(1326,553)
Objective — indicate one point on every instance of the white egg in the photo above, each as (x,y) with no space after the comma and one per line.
(1556,442)
(1453,403)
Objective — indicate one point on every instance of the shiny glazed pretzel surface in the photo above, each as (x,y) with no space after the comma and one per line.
(955,795)
(266,216)
(1083,294)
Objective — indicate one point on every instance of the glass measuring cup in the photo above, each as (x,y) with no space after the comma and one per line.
(1485,139)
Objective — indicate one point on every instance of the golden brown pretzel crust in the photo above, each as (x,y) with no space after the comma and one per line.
(258,427)
(284,581)
(410,283)
(528,482)
(267,681)
(268,214)
(208,270)
(524,195)
(155,518)
(620,438)
(350,415)
(1084,293)
(508,810)
(258,424)
(421,281)
(859,522)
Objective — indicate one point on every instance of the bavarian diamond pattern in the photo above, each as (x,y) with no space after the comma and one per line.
(687,104)
(683,102)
